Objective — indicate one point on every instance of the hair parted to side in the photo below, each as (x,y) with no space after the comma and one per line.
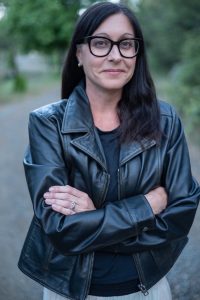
(138,109)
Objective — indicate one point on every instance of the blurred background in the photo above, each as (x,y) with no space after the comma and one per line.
(34,37)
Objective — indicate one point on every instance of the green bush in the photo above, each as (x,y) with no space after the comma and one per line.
(19,84)
(185,87)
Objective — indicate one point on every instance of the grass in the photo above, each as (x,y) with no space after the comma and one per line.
(35,85)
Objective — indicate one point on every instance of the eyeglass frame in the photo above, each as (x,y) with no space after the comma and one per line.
(88,40)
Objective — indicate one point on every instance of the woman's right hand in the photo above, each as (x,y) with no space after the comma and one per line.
(157,199)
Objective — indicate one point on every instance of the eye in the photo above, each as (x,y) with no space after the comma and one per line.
(127,44)
(100,43)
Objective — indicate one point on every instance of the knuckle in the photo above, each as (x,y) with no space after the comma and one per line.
(67,205)
(54,195)
(63,210)
(65,188)
(65,196)
(71,190)
(86,197)
(68,188)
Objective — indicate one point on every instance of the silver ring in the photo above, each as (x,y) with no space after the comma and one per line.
(73,205)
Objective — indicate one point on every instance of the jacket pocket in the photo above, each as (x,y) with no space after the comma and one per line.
(39,251)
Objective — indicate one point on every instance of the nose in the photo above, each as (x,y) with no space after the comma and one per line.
(114,54)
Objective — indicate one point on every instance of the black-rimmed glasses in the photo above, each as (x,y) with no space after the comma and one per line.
(101,46)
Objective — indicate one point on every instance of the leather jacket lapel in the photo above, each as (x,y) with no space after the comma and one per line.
(78,119)
(88,144)
(129,151)
(77,116)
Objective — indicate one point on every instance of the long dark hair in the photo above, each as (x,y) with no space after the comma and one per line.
(138,109)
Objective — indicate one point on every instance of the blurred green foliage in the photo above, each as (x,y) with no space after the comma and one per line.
(167,27)
(172,31)
(41,25)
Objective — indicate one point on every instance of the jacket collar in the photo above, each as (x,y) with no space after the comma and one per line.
(78,119)
(77,116)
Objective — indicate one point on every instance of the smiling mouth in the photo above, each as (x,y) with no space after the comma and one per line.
(114,71)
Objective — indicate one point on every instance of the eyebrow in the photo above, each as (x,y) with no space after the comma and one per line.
(107,35)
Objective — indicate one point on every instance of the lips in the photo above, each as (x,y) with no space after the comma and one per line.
(114,71)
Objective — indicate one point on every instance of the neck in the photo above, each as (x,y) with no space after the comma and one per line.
(104,107)
(101,100)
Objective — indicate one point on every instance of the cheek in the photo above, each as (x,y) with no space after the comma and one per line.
(131,67)
(91,66)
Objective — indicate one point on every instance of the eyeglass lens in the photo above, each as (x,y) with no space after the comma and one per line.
(100,46)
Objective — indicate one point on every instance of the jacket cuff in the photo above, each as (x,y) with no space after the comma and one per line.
(140,212)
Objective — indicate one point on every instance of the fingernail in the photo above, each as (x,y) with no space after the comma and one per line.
(51,189)
(55,207)
(47,201)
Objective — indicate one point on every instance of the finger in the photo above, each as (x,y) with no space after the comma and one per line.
(67,189)
(63,203)
(62,210)
(65,197)
(75,192)
(59,195)
(58,188)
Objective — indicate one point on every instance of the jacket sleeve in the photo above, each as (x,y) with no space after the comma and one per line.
(83,232)
(183,198)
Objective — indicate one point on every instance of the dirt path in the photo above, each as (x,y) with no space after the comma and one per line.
(16,211)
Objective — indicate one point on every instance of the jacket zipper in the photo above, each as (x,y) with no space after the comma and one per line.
(119,190)
(141,285)
(92,255)
(89,276)
(106,187)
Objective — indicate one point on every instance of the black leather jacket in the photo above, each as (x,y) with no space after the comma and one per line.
(65,149)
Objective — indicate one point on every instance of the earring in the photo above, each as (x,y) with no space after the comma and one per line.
(79,65)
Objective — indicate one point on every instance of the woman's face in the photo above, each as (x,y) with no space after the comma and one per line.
(112,72)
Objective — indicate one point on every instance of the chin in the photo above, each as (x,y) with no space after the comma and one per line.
(114,84)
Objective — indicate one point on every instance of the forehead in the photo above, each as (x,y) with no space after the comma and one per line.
(115,25)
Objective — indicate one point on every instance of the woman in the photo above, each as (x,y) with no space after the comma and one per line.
(108,172)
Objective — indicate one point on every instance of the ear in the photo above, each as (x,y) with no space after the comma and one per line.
(79,54)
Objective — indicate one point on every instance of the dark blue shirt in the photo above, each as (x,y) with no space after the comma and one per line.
(113,274)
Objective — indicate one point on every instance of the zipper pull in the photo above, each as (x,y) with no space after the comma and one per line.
(143,289)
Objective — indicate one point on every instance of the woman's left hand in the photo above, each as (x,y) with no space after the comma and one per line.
(68,200)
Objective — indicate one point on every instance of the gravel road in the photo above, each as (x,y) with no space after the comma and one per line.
(16,211)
